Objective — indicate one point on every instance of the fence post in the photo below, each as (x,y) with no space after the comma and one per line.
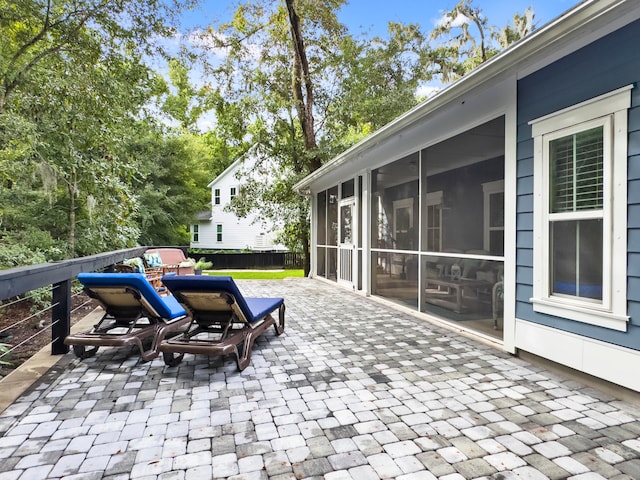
(60,317)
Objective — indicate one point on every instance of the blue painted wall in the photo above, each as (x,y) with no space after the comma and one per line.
(607,64)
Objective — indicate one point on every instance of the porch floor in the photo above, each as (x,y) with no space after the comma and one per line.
(352,390)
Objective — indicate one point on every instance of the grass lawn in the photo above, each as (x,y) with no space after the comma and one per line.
(257,275)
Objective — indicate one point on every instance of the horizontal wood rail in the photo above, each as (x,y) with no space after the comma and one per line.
(59,275)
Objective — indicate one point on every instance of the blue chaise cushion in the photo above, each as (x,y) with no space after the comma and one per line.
(253,308)
(167,307)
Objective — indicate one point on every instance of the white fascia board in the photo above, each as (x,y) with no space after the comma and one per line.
(574,20)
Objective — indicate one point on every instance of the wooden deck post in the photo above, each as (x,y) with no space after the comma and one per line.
(60,317)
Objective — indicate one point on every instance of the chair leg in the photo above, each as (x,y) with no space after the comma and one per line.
(243,357)
(82,352)
(171,359)
(279,326)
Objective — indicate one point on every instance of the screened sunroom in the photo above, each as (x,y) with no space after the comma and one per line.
(425,231)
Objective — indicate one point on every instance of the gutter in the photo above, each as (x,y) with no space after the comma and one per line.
(573,19)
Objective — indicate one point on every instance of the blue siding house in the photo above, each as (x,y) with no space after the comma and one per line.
(507,206)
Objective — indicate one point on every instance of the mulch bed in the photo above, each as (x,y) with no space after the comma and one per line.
(14,329)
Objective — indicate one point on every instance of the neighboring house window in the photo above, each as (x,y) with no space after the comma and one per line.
(232,192)
(580,229)
(216,196)
(219,232)
(196,233)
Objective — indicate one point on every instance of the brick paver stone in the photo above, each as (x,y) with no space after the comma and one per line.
(353,390)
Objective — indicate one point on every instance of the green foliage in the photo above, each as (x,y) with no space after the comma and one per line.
(30,246)
(202,264)
(188,104)
(351,87)
(4,351)
(17,255)
(86,166)
(73,88)
(468,40)
(171,185)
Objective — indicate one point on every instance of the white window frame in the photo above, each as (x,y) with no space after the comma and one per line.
(218,233)
(488,189)
(404,204)
(216,196)
(195,233)
(232,192)
(609,111)
(434,200)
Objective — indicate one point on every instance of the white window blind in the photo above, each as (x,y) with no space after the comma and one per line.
(576,174)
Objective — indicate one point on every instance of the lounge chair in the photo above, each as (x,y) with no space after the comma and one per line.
(169,260)
(134,313)
(224,322)
(136,265)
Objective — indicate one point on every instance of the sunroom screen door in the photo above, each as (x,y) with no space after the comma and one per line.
(346,242)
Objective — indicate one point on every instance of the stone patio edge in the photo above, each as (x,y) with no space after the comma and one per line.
(19,380)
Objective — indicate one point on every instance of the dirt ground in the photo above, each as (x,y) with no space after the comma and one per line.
(14,329)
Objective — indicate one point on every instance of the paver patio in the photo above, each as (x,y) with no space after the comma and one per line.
(352,390)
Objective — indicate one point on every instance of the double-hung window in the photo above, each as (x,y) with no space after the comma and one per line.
(196,233)
(216,196)
(219,232)
(580,185)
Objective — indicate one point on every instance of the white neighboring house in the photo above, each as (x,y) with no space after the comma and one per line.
(220,229)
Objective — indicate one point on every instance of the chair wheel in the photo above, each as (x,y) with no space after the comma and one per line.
(172,360)
(82,352)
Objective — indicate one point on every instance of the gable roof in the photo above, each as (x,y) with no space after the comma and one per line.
(249,156)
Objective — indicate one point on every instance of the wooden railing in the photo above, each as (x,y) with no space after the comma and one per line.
(58,276)
(18,281)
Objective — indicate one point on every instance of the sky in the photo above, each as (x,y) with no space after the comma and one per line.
(371,16)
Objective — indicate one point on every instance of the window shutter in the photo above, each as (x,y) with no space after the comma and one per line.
(576,174)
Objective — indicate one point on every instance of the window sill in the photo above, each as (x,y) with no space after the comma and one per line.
(599,317)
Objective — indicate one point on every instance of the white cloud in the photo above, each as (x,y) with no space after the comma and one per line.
(202,39)
(458,21)
(426,91)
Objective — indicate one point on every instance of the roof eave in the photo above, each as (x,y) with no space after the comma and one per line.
(565,24)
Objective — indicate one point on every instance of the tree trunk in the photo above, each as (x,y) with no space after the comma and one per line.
(72,186)
(302,89)
(302,78)
(305,236)
(307,254)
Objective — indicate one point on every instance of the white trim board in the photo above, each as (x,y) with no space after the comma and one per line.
(603,360)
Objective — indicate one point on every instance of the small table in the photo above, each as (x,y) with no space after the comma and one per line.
(453,298)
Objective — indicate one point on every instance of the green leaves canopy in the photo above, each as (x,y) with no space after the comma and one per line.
(356,85)
(73,89)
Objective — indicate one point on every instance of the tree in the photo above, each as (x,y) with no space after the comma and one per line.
(188,104)
(311,90)
(35,31)
(307,86)
(85,58)
(79,146)
(376,83)
(171,179)
(462,49)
